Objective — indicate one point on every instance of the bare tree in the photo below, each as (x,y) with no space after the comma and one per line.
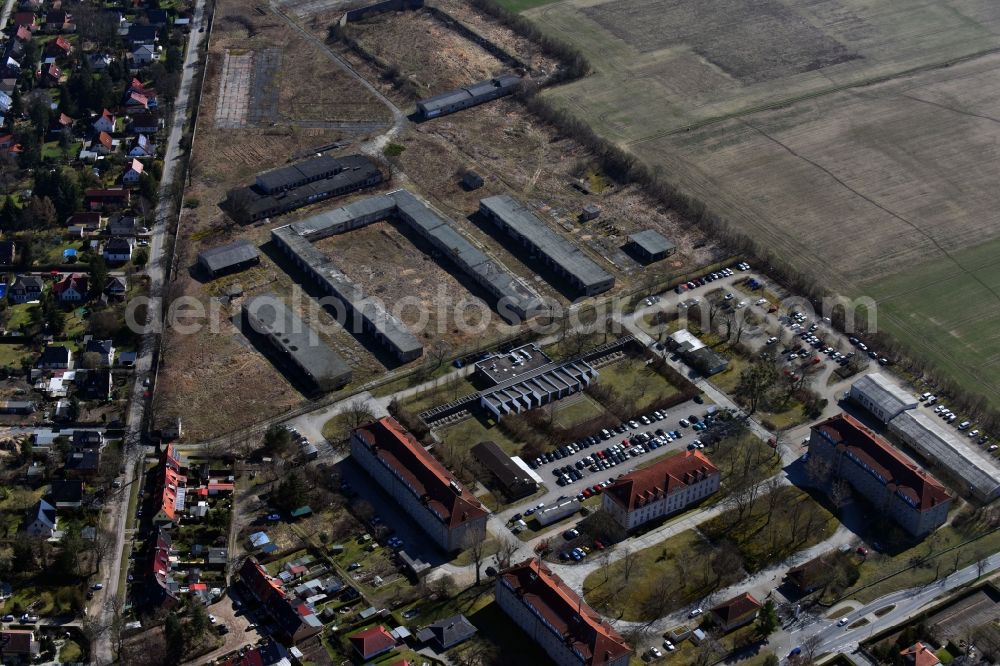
(103,544)
(506,550)
(629,559)
(438,353)
(476,546)
(981,565)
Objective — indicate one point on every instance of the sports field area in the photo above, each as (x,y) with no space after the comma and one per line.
(857,140)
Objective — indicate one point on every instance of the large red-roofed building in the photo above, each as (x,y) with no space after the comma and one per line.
(891,481)
(554,616)
(661,489)
(421,485)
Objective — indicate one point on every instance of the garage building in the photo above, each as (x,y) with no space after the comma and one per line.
(881,396)
(230,258)
(513,481)
(650,246)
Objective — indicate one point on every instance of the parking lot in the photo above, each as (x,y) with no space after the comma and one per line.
(625,460)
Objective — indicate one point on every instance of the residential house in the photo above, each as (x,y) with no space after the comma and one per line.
(295,619)
(664,488)
(72,288)
(19,646)
(22,34)
(59,20)
(6,141)
(55,357)
(95,384)
(60,47)
(133,173)
(145,123)
(105,122)
(24,19)
(89,222)
(421,485)
(41,521)
(100,61)
(118,250)
(136,102)
(165,589)
(736,612)
(141,34)
(103,348)
(142,55)
(116,289)
(157,18)
(447,633)
(51,76)
(66,494)
(919,654)
(372,642)
(142,147)
(26,288)
(82,464)
(87,440)
(107,199)
(126,359)
(557,619)
(59,124)
(104,144)
(6,101)
(17,407)
(122,225)
(171,487)
(7,253)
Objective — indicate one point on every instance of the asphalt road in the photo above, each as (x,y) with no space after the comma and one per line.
(156,270)
(831,638)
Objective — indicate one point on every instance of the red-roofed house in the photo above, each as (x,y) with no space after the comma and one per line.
(296,620)
(892,482)
(25,19)
(661,489)
(372,642)
(50,76)
(421,485)
(59,47)
(23,33)
(136,101)
(919,654)
(19,645)
(72,288)
(556,618)
(110,198)
(104,143)
(171,488)
(736,612)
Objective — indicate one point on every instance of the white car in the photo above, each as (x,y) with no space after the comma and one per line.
(842,621)
(974,433)
(729,296)
(654,652)
(761,301)
(670,646)
(696,612)
(771,340)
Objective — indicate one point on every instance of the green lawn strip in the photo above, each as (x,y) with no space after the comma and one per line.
(576,409)
(632,377)
(471,431)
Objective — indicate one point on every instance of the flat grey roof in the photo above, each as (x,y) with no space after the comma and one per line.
(310,168)
(505,83)
(268,315)
(952,451)
(651,241)
(886,393)
(337,220)
(226,256)
(560,251)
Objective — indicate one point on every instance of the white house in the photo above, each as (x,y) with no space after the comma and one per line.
(118,250)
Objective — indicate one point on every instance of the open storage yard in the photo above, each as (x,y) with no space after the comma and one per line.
(860,146)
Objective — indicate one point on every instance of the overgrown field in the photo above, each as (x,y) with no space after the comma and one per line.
(856,141)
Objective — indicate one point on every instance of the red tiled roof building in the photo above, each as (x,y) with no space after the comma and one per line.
(892,482)
(557,619)
(421,485)
(661,489)
(736,612)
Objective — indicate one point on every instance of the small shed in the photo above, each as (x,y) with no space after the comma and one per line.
(302,512)
(229,258)
(472,180)
(650,245)
(590,212)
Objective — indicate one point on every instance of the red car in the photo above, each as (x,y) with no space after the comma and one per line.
(862,551)
(598,545)
(816,360)
(587,492)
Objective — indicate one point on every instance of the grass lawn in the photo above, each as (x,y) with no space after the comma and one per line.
(727,380)
(632,377)
(796,521)
(439,395)
(688,566)
(472,431)
(11,354)
(576,409)
(70,652)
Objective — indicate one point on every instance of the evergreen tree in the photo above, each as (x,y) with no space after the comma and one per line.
(98,276)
